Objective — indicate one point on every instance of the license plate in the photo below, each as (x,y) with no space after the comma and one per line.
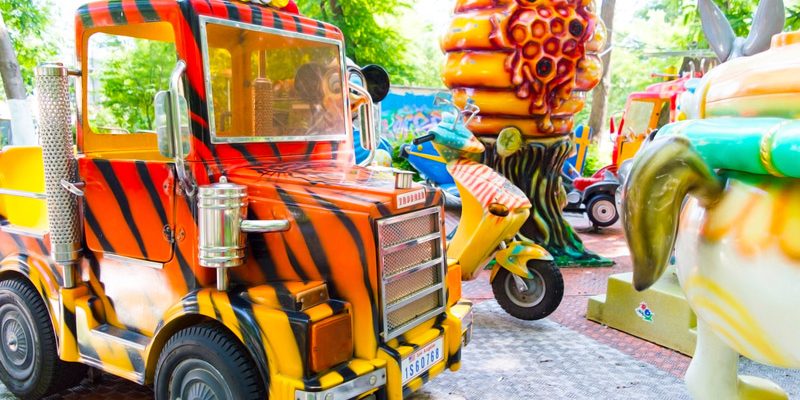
(422,359)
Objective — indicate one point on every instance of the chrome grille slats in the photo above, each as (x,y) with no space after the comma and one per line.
(415,309)
(401,231)
(402,260)
(411,257)
(410,284)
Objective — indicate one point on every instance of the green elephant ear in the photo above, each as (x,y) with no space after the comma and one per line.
(509,141)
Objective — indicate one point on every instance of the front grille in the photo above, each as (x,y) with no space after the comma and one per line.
(403,259)
(402,230)
(403,316)
(412,269)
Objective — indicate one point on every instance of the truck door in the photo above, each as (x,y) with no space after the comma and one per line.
(129,207)
(130,187)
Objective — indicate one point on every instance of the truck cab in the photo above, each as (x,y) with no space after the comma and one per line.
(210,231)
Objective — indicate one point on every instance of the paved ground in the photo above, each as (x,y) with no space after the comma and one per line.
(562,357)
(566,356)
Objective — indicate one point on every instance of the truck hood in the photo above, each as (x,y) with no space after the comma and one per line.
(348,186)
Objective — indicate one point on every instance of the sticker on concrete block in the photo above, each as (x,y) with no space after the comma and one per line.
(644,312)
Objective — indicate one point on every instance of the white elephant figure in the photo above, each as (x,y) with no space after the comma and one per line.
(736,242)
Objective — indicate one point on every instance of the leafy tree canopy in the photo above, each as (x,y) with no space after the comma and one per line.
(739,13)
(124,79)
(27,22)
(369,36)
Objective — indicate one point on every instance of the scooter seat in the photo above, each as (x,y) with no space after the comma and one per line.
(486,185)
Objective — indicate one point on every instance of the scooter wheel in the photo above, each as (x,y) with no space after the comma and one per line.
(602,210)
(539,299)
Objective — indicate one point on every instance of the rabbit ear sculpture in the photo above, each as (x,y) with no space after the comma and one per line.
(768,20)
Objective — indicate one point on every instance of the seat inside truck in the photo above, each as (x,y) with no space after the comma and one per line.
(21,169)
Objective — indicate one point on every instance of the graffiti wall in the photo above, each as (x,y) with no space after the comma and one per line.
(408,111)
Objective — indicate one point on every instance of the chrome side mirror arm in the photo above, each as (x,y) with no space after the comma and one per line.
(174,110)
(368,130)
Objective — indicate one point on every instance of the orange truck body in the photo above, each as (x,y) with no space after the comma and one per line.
(313,305)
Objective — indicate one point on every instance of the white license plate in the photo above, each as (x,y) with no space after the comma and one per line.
(422,359)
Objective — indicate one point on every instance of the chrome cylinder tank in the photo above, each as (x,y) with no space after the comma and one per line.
(263,114)
(221,208)
(55,135)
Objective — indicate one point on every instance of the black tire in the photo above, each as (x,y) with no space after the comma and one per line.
(602,210)
(543,296)
(29,363)
(206,359)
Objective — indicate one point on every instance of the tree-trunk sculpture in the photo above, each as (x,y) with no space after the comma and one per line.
(528,64)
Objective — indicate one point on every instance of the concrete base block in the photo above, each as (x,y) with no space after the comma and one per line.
(660,314)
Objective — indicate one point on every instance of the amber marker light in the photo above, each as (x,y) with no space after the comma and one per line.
(331,342)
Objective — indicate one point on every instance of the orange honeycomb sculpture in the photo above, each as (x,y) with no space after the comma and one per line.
(526,63)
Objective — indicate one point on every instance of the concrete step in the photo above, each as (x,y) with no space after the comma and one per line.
(659,314)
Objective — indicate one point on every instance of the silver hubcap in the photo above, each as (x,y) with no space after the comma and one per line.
(17,352)
(533,295)
(198,380)
(604,211)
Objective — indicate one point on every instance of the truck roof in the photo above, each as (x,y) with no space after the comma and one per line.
(184,13)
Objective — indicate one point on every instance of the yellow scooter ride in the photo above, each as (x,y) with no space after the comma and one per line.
(525,280)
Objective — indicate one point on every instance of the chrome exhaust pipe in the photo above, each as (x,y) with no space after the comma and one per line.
(60,167)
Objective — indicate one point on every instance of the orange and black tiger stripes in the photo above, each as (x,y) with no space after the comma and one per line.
(136,194)
(141,271)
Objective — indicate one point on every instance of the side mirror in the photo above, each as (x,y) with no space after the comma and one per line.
(172,127)
(166,141)
(378,82)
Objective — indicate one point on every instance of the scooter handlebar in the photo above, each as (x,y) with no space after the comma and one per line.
(424,138)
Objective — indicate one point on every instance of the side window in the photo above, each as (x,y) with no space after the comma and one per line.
(125,73)
(663,116)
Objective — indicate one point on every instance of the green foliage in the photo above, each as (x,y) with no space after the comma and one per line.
(27,22)
(595,159)
(129,77)
(738,12)
(369,39)
(400,162)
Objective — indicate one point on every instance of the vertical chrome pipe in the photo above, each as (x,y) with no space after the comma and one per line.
(58,155)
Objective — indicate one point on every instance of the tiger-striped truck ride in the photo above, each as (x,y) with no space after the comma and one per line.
(208,232)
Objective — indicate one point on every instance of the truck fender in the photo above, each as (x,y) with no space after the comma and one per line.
(609,187)
(515,258)
(40,274)
(275,338)
(228,309)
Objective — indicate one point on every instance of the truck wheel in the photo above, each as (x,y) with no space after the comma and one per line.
(30,367)
(540,299)
(205,362)
(602,210)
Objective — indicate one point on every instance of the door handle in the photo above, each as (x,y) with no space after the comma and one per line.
(264,225)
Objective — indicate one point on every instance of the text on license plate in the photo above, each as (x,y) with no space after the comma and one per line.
(422,359)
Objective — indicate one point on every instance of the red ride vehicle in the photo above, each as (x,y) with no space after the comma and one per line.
(645,112)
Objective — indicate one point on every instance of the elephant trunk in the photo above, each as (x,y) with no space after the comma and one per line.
(662,175)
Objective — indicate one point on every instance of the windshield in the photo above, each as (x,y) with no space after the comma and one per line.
(637,118)
(265,84)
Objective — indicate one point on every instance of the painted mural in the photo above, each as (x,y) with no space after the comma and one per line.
(407,111)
